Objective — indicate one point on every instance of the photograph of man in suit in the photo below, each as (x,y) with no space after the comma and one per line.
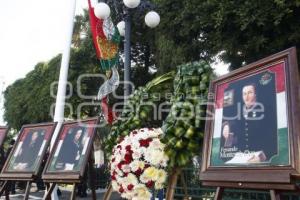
(28,151)
(71,149)
(255,117)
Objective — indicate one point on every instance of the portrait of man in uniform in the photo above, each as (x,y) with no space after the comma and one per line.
(30,148)
(251,118)
(68,155)
(252,126)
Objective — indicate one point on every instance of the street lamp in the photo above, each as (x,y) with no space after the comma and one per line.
(152,19)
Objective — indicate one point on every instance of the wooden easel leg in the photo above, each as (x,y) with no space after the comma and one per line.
(274,195)
(92,182)
(27,191)
(3,187)
(172,184)
(182,179)
(73,195)
(108,193)
(49,192)
(7,193)
(219,193)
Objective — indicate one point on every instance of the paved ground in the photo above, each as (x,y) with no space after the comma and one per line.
(65,194)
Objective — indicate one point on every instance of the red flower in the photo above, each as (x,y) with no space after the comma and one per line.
(145,143)
(121,190)
(120,165)
(128,149)
(128,158)
(113,177)
(138,172)
(130,187)
(150,184)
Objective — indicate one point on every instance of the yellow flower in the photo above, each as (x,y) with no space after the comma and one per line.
(141,193)
(151,173)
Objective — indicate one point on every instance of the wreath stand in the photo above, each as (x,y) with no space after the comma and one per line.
(172,182)
(73,179)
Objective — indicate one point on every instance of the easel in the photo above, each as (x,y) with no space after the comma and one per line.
(108,192)
(274,189)
(8,176)
(15,177)
(176,172)
(73,179)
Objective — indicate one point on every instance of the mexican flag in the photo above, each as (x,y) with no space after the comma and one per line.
(106,39)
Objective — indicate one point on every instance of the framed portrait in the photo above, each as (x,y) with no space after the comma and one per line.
(28,151)
(71,150)
(252,126)
(3,133)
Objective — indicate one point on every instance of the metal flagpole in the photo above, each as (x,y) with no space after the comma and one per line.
(127,51)
(63,78)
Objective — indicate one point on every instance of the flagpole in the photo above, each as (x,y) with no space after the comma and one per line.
(63,78)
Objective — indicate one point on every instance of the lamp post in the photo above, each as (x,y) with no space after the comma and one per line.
(152,19)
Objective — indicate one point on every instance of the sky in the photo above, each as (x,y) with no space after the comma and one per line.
(34,31)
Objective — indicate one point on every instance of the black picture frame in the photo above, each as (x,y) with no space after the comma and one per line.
(63,164)
(249,174)
(24,160)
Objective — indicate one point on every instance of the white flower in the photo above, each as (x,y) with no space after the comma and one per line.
(136,164)
(126,168)
(127,195)
(135,144)
(136,155)
(142,193)
(162,176)
(144,178)
(155,157)
(115,185)
(158,185)
(156,144)
(132,179)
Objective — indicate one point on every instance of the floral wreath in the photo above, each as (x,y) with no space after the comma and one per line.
(138,164)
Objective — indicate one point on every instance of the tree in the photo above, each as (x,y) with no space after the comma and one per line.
(28,100)
(239,31)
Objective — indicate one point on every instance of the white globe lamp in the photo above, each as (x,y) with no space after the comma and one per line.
(121,28)
(102,10)
(152,19)
(132,3)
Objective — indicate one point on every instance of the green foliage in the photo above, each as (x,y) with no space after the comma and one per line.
(184,126)
(138,111)
(245,31)
(26,99)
